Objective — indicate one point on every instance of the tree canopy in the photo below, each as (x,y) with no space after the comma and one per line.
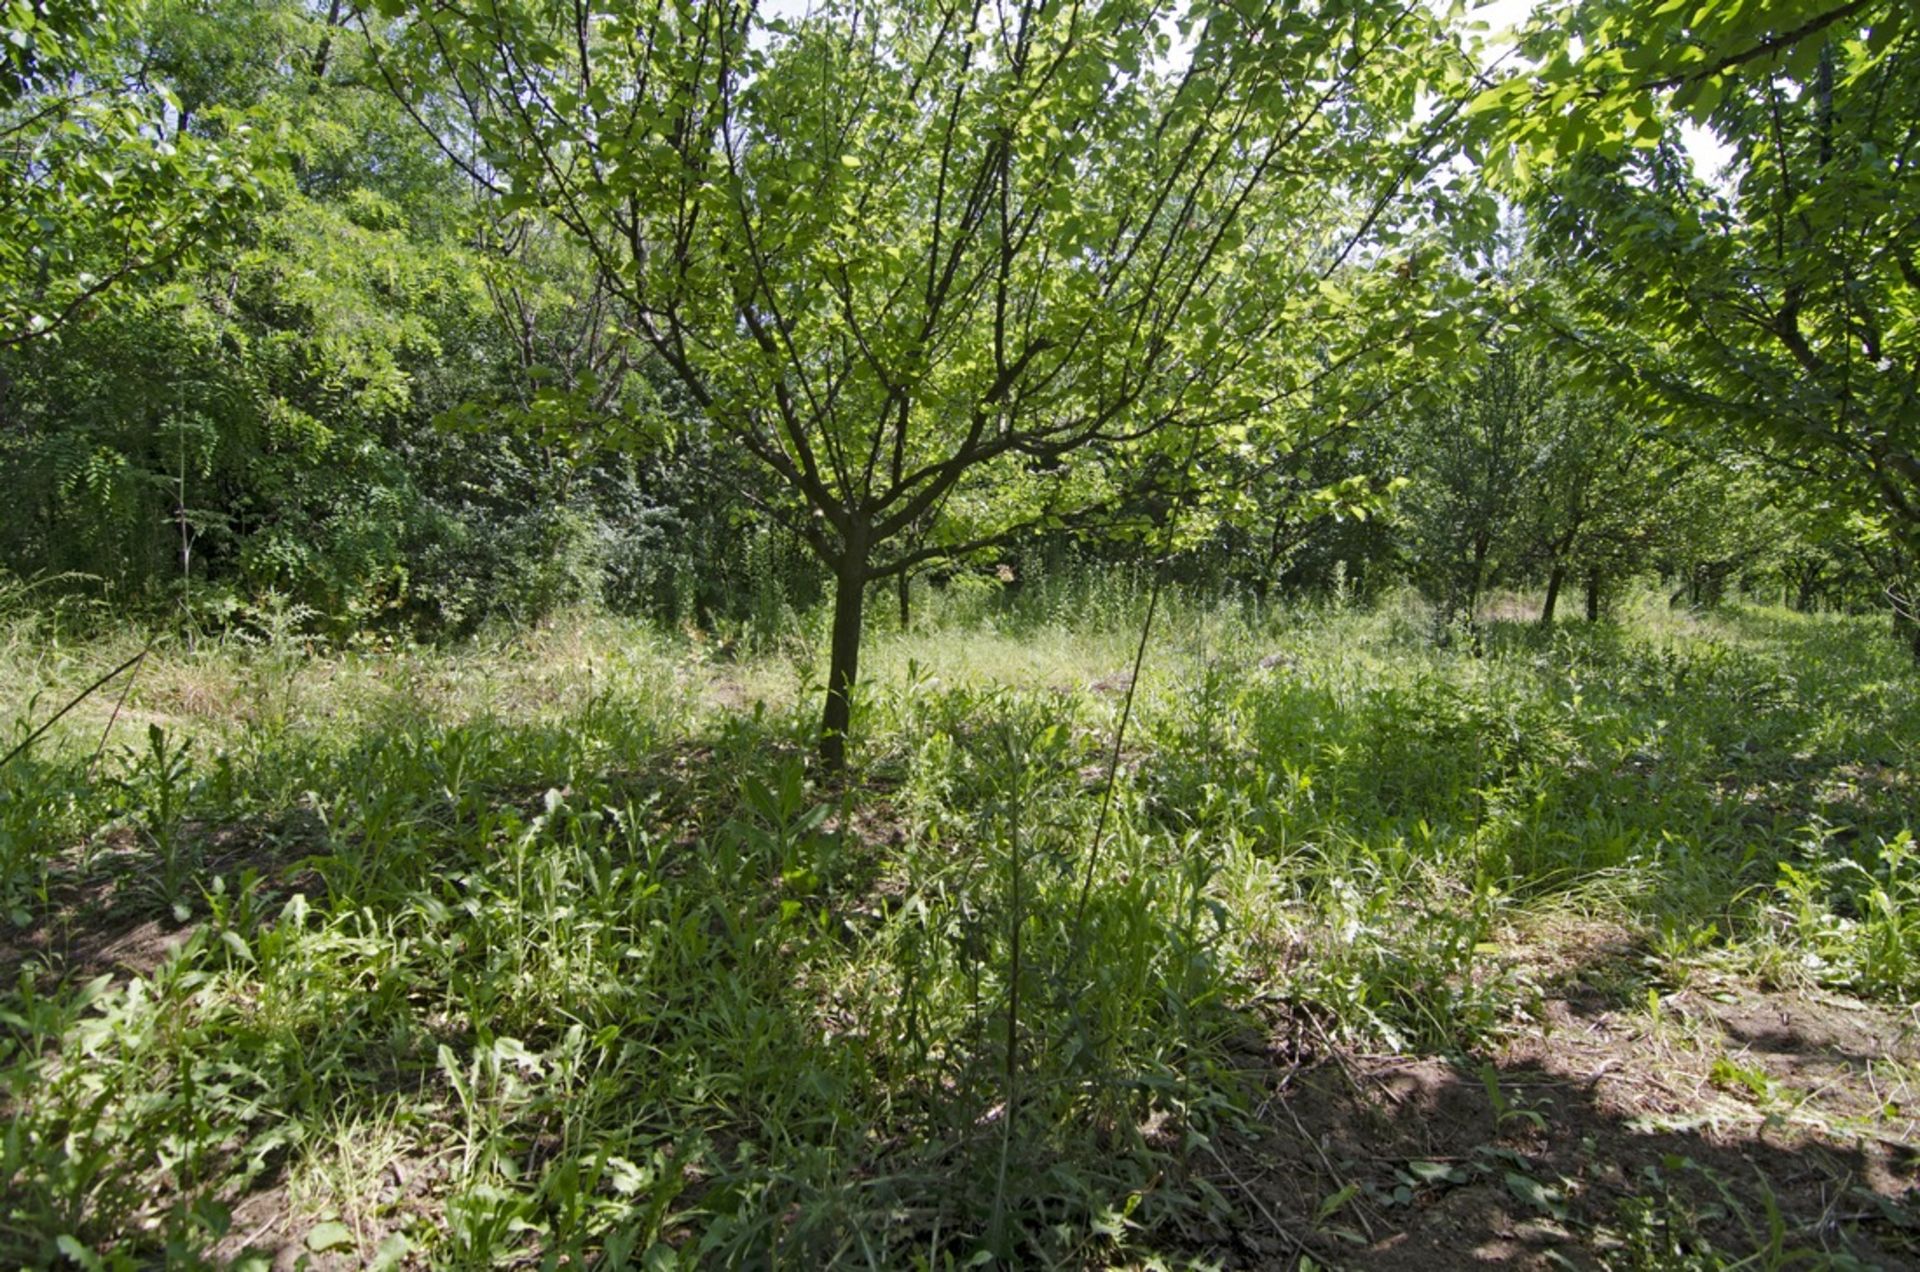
(408,315)
(914,257)
(1778,299)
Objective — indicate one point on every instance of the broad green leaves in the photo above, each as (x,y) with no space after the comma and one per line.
(1607,75)
(954,251)
(948,272)
(100,181)
(42,41)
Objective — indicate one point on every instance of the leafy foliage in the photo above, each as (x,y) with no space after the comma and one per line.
(1777,303)
(100,180)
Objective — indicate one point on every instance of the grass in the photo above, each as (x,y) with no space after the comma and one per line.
(550,949)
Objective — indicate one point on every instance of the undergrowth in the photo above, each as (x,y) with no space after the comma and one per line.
(552,948)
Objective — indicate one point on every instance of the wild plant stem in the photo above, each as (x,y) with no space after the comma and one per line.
(1113,771)
(1011,1102)
(79,698)
(1126,715)
(125,690)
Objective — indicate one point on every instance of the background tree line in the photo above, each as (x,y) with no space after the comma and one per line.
(399,319)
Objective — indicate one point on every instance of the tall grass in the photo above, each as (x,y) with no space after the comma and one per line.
(550,947)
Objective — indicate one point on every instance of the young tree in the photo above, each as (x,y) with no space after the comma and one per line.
(920,257)
(1471,459)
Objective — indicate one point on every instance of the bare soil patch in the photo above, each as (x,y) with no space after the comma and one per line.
(1735,1120)
(105,915)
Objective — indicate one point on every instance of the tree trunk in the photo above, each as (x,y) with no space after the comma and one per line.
(1593,596)
(1555,578)
(906,602)
(1480,546)
(1264,584)
(1809,579)
(1906,620)
(1558,553)
(843,664)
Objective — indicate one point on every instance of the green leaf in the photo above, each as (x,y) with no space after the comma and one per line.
(1534,1193)
(1499,97)
(331,1235)
(1331,1206)
(392,1252)
(77,1252)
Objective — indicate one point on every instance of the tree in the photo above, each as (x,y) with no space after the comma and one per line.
(222,407)
(1780,302)
(253,415)
(99,180)
(919,258)
(1469,460)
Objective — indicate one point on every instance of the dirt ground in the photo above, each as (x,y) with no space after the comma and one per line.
(1731,1122)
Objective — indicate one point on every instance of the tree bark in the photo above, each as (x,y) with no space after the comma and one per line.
(1264,584)
(1809,580)
(1906,620)
(1558,553)
(1555,577)
(326,41)
(1593,596)
(843,662)
(906,602)
(1480,546)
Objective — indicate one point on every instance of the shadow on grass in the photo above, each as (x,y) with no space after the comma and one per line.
(712,1027)
(714,1081)
(106,911)
(1579,1148)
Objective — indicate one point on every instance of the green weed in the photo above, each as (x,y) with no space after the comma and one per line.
(553,948)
